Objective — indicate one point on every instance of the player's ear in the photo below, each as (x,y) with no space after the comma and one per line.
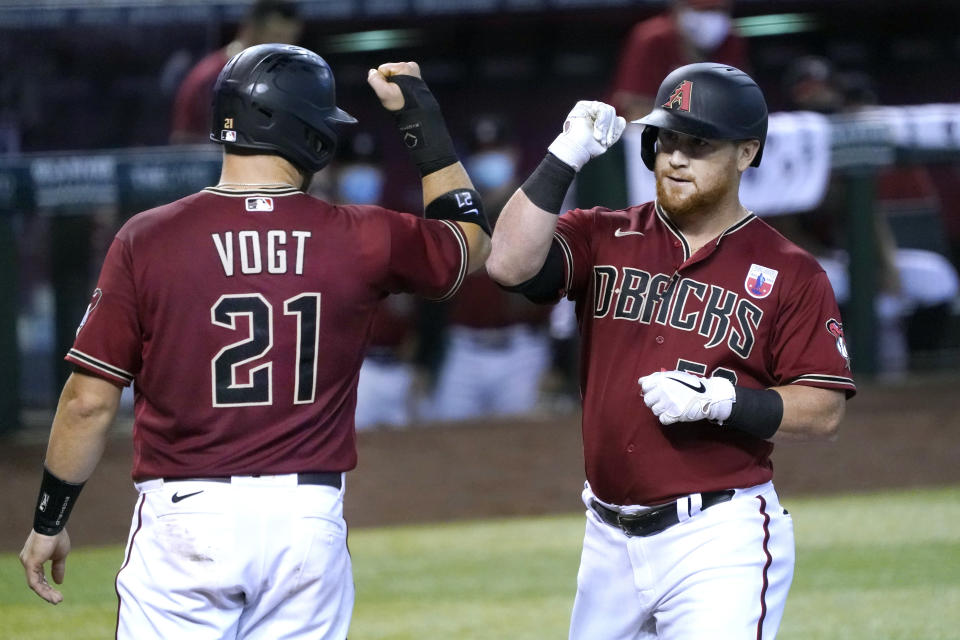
(746,152)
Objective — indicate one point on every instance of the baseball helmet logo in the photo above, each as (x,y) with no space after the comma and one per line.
(680,97)
(836,330)
(760,280)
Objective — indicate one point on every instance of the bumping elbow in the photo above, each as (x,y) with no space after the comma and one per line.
(499,270)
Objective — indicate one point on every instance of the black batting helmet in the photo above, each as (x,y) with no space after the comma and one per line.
(280,99)
(707,100)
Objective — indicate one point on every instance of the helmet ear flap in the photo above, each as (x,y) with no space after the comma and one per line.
(648,141)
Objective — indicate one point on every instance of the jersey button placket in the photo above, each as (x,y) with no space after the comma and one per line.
(659,339)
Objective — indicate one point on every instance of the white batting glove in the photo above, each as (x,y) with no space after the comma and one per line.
(589,130)
(676,396)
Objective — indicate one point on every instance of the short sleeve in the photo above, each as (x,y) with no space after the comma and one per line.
(573,234)
(808,345)
(108,341)
(427,257)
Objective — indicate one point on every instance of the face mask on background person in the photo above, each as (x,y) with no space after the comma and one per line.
(360,185)
(705,29)
(491,169)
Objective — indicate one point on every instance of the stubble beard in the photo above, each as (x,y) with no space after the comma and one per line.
(701,200)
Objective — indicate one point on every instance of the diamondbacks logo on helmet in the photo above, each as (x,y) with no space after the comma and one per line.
(680,97)
(836,330)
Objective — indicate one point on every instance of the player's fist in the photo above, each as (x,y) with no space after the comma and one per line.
(590,129)
(389,92)
(676,396)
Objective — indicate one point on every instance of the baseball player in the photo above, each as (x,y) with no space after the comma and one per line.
(242,313)
(704,334)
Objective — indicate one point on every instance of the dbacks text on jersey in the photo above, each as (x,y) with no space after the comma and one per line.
(716,313)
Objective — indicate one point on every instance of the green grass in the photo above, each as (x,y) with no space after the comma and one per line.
(875,566)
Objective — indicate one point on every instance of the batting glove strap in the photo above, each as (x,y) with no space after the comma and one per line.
(677,396)
(421,126)
(54,504)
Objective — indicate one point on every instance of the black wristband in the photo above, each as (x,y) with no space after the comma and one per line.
(756,411)
(463,205)
(548,184)
(54,504)
(421,126)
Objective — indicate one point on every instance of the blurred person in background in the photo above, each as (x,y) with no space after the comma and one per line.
(267,21)
(386,393)
(497,340)
(915,286)
(242,313)
(688,31)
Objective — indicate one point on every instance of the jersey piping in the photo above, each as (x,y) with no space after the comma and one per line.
(262,191)
(567,257)
(736,226)
(674,230)
(90,362)
(464,259)
(827,379)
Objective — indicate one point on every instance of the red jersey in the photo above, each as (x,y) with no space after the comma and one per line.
(655,48)
(192,106)
(243,318)
(750,306)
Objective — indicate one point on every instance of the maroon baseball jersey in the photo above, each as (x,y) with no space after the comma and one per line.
(242,319)
(192,105)
(750,306)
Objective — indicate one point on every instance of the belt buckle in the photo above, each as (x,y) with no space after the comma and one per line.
(641,522)
(624,527)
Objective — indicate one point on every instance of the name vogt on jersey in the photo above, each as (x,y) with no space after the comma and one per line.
(718,314)
(252,252)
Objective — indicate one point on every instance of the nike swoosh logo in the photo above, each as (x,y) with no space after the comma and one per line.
(620,233)
(177,497)
(699,389)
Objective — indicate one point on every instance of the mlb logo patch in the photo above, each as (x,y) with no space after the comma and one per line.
(228,136)
(759,282)
(260,204)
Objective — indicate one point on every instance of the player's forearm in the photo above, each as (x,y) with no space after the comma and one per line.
(443,181)
(525,227)
(810,413)
(85,412)
(454,178)
(520,240)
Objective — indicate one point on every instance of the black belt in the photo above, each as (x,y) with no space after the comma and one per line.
(324,478)
(654,520)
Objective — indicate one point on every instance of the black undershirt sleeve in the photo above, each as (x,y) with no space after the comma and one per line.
(547,286)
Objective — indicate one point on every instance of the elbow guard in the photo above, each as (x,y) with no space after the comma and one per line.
(460,205)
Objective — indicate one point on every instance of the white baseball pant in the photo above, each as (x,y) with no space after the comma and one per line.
(722,573)
(258,558)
